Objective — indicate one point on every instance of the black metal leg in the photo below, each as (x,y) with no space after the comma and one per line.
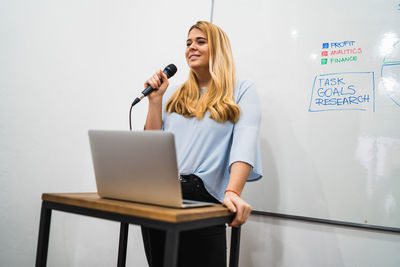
(43,239)
(171,248)
(235,245)
(123,241)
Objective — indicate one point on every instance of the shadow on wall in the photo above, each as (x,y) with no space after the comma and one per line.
(255,240)
(283,158)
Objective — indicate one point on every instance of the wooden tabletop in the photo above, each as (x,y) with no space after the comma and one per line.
(175,215)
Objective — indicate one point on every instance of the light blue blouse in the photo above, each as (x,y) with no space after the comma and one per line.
(207,148)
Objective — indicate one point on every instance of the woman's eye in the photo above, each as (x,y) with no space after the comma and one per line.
(188,44)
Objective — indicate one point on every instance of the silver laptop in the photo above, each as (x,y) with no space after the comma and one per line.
(138,166)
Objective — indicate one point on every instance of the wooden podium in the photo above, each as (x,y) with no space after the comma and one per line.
(171,220)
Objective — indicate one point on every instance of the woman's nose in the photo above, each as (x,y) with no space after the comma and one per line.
(192,46)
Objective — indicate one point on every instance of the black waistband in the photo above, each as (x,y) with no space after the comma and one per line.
(189,177)
(193,188)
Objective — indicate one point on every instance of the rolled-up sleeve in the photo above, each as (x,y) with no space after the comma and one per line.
(246,132)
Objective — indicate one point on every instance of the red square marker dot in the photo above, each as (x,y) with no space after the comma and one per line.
(324,53)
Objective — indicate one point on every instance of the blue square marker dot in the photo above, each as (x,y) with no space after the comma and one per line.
(325,45)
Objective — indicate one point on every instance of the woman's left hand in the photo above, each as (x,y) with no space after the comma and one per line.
(236,204)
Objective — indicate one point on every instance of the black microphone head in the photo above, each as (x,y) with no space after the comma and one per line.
(170,70)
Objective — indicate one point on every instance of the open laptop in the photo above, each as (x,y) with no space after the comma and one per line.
(138,166)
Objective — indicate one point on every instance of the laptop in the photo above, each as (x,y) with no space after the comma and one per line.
(139,167)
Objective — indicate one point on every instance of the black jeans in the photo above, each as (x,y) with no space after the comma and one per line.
(197,248)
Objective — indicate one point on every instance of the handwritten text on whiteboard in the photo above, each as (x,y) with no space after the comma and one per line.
(343,91)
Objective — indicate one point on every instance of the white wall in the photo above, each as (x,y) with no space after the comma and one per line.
(66,67)
(70,66)
(270,241)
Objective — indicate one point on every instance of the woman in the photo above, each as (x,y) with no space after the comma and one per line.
(215,119)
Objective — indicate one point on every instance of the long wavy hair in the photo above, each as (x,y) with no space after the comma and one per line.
(218,98)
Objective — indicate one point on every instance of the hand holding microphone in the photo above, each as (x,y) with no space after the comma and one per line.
(158,82)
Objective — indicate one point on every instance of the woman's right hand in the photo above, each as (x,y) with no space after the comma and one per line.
(159,82)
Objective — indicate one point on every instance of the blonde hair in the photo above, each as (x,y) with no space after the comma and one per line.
(218,98)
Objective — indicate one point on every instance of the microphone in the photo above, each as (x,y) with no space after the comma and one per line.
(169,71)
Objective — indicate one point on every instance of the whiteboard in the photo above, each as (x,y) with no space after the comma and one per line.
(328,75)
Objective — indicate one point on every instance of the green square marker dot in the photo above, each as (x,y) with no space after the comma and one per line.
(324,61)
